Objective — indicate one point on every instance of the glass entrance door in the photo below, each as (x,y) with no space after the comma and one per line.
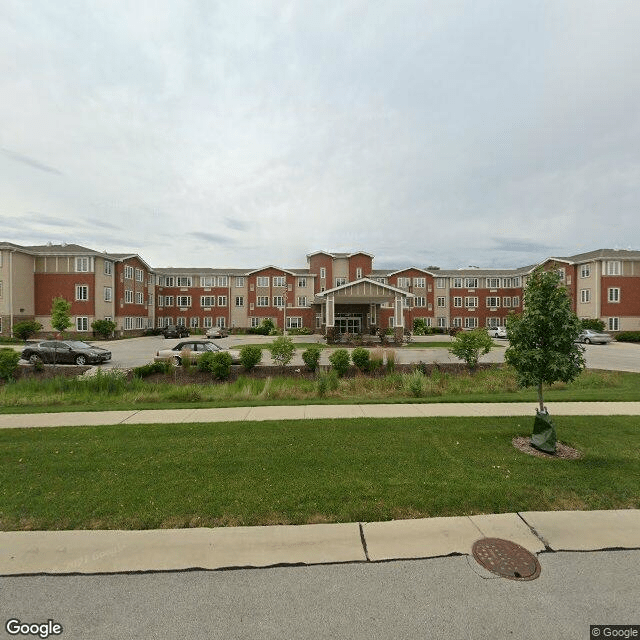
(349,323)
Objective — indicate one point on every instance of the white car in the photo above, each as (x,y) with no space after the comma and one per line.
(196,348)
(594,337)
(498,332)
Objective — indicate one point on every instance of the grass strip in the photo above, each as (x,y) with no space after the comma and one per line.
(154,476)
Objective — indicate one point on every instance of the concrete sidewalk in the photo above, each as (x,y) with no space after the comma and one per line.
(90,552)
(302,412)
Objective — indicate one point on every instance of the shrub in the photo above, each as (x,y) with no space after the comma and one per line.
(264,329)
(250,356)
(339,360)
(302,331)
(218,364)
(8,363)
(593,323)
(282,350)
(311,356)
(163,366)
(470,345)
(416,384)
(628,336)
(104,328)
(391,360)
(420,327)
(24,330)
(327,381)
(360,357)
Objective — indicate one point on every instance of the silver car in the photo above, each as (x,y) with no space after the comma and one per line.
(195,348)
(498,332)
(588,336)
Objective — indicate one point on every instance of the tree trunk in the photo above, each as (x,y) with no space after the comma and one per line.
(540,401)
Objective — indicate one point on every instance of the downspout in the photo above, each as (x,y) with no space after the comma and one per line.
(11,252)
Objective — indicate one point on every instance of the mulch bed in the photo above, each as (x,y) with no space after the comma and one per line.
(563,452)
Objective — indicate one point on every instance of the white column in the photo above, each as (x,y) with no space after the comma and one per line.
(330,305)
(398,317)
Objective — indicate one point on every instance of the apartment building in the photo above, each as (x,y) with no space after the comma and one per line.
(339,292)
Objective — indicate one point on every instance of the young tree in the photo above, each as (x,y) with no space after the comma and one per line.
(470,345)
(60,314)
(25,329)
(542,345)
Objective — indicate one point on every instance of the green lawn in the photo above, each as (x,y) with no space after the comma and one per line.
(305,472)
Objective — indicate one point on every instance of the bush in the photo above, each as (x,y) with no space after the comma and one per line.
(302,331)
(327,381)
(218,364)
(265,328)
(339,360)
(8,363)
(24,330)
(311,356)
(282,350)
(628,336)
(154,367)
(360,357)
(592,323)
(416,383)
(104,328)
(250,356)
(420,327)
(391,360)
(470,345)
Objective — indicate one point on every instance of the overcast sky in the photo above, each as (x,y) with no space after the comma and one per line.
(243,133)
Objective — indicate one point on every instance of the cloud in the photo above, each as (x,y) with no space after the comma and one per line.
(211,237)
(522,246)
(235,224)
(18,157)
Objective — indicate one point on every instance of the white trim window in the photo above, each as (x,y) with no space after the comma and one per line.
(470,323)
(221,322)
(108,294)
(613,324)
(262,281)
(207,281)
(340,281)
(442,322)
(183,301)
(82,264)
(613,267)
(184,281)
(358,273)
(82,292)
(82,323)
(404,283)
(239,282)
(139,275)
(278,301)
(493,302)
(139,297)
(254,322)
(194,322)
(279,281)
(140,322)
(585,295)
(471,283)
(516,301)
(456,283)
(128,296)
(302,301)
(506,301)
(420,301)
(302,283)
(471,302)
(108,267)
(169,281)
(420,283)
(441,283)
(207,301)
(294,322)
(222,301)
(128,274)
(457,301)
(207,322)
(507,283)
(168,301)
(493,283)
(585,271)
(516,281)
(223,281)
(128,323)
(561,273)
(613,294)
(262,301)
(239,301)
(441,302)
(323,272)
(181,321)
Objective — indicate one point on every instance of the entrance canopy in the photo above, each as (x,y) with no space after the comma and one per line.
(363,292)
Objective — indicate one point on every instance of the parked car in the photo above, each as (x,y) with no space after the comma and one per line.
(217,332)
(498,332)
(174,331)
(196,349)
(65,352)
(588,336)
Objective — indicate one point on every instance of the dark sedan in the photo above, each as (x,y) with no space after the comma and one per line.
(65,352)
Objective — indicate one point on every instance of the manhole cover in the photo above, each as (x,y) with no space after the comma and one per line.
(506,558)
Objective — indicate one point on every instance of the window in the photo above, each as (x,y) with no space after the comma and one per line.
(239,281)
(262,301)
(139,275)
(222,301)
(278,301)
(561,273)
(239,301)
(613,294)
(82,323)
(442,322)
(340,281)
(223,281)
(613,268)
(108,267)
(82,264)
(420,283)
(404,282)
(493,302)
(358,273)
(169,281)
(457,322)
(294,323)
(221,322)
(180,321)
(457,301)
(82,292)
(254,322)
(183,281)
(207,281)
(139,297)
(302,282)
(440,283)
(302,301)
(128,323)
(516,301)
(391,321)
(323,272)
(585,295)
(150,302)
(471,302)
(507,283)
(470,323)
(506,302)
(140,322)
(493,283)
(128,296)
(585,271)
(183,301)
(207,301)
(262,281)
(441,301)
(168,301)
(381,280)
(614,324)
(471,283)
(457,283)
(108,294)
(279,281)
(0,287)
(207,322)
(128,272)
(420,301)
(194,323)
